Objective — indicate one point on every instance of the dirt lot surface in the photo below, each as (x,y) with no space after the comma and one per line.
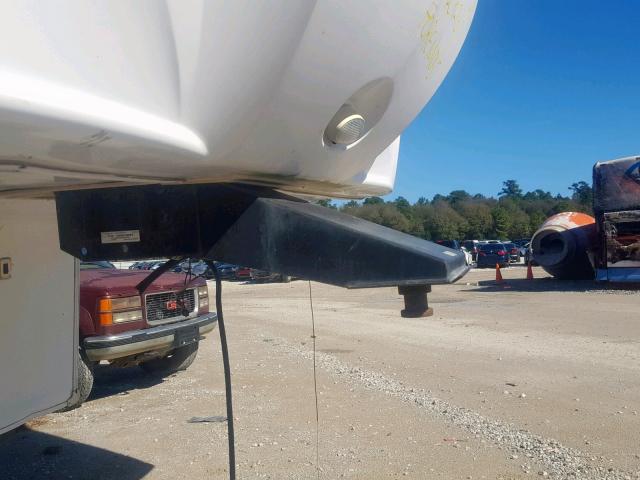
(528,380)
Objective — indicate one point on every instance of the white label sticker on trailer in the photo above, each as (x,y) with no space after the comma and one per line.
(121,236)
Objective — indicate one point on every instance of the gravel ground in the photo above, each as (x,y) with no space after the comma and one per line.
(523,380)
(559,461)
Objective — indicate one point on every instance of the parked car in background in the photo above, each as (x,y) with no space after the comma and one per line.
(454,244)
(199,269)
(179,267)
(149,264)
(264,276)
(492,254)
(227,270)
(523,247)
(97,264)
(472,248)
(159,330)
(243,273)
(468,258)
(528,257)
(513,251)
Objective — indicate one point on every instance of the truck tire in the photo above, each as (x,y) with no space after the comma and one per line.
(285,278)
(85,383)
(179,359)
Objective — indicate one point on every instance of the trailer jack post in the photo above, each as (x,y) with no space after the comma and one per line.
(416,303)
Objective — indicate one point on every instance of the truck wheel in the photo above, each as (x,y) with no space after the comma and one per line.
(85,383)
(179,359)
(285,278)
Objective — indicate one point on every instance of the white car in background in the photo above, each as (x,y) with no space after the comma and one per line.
(468,257)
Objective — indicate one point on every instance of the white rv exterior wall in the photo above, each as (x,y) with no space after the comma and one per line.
(38,323)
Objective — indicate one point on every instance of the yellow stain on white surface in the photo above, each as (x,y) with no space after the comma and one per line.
(441,20)
(430,37)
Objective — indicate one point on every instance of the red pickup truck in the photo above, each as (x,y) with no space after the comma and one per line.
(159,330)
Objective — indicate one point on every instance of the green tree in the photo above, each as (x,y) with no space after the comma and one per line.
(461,215)
(536,219)
(478,218)
(457,196)
(373,201)
(326,202)
(384,214)
(519,225)
(562,205)
(501,222)
(538,194)
(582,193)
(403,206)
(510,188)
(445,223)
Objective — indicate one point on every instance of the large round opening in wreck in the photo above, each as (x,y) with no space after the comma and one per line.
(563,245)
(551,247)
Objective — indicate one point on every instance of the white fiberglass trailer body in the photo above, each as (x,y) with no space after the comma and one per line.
(95,92)
(304,96)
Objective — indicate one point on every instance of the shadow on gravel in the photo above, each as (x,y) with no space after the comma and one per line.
(110,380)
(29,454)
(551,285)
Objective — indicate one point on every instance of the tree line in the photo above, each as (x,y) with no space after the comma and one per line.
(460,215)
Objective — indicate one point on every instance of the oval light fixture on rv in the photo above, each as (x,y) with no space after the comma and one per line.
(359,114)
(346,126)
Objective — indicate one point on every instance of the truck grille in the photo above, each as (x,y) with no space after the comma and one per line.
(170,306)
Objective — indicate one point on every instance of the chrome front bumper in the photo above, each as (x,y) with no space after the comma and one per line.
(163,337)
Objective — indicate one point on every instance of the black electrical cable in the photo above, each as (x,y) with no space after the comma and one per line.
(149,279)
(227,372)
(142,287)
(315,383)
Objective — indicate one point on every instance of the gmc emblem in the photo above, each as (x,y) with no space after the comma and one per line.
(171,305)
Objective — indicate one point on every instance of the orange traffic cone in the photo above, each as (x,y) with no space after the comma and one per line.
(498,274)
(529,272)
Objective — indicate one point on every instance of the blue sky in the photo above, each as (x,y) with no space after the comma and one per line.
(540,91)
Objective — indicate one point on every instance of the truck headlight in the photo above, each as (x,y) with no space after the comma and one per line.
(130,316)
(203,297)
(125,303)
(119,310)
